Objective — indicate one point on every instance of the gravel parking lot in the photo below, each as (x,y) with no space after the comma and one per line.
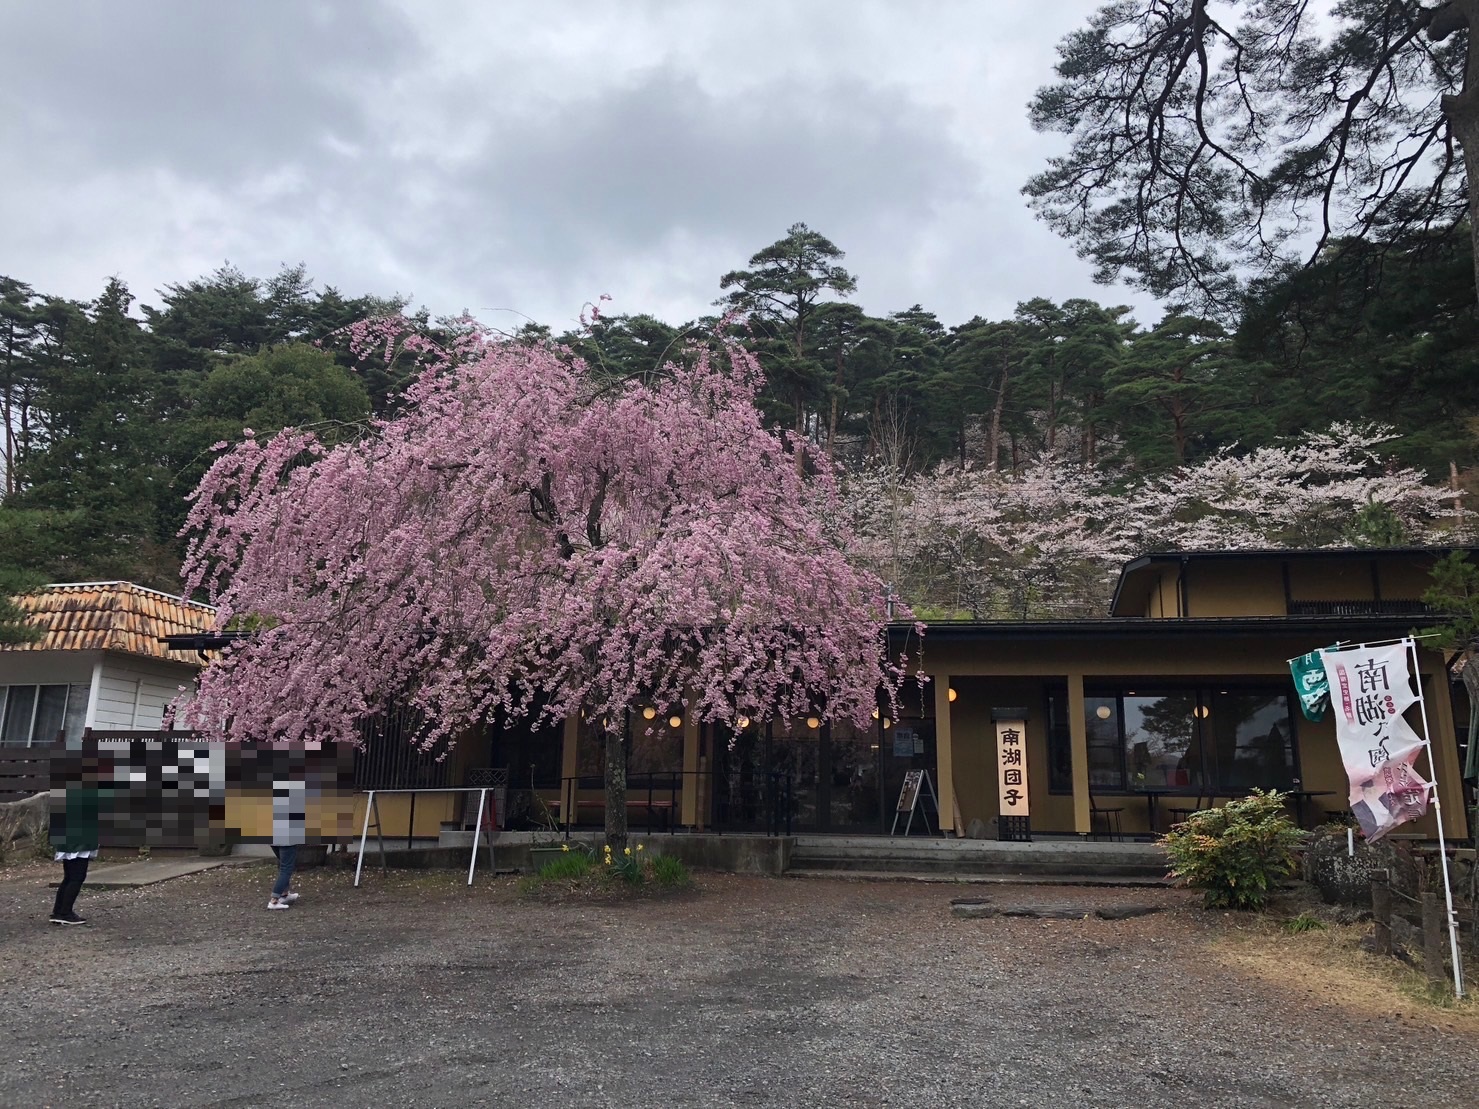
(416,991)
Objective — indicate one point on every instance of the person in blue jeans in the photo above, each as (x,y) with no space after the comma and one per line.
(289,820)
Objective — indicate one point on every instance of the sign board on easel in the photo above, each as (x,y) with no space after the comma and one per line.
(916,795)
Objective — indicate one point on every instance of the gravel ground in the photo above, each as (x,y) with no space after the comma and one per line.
(416,991)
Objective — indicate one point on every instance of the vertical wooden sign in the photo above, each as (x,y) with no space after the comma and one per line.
(1011,767)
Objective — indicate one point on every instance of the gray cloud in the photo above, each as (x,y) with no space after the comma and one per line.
(214,89)
(530,156)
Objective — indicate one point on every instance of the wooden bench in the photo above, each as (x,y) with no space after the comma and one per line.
(657,812)
(655,796)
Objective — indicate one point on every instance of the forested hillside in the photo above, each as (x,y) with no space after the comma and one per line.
(995,467)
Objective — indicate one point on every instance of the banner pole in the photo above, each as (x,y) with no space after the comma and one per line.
(1345,645)
(1422,708)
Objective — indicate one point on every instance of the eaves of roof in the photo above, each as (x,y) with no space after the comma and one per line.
(1330,628)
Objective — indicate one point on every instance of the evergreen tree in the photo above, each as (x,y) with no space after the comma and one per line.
(1174,391)
(14,627)
(781,294)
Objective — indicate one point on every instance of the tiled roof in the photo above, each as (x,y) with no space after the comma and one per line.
(112,616)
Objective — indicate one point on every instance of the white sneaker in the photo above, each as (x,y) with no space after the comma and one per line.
(290,897)
(278,903)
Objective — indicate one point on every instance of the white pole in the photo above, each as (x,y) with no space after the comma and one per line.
(477,830)
(364,835)
(1458,964)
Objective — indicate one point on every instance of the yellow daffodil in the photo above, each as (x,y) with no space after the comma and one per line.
(628,851)
(564,847)
(639,847)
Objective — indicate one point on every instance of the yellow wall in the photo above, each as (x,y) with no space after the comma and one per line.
(974,751)
(1337,580)
(1242,587)
(249,815)
(1404,579)
(1168,595)
(1165,595)
(1015,672)
(1234,589)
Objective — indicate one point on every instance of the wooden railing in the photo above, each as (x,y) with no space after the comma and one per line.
(1358,608)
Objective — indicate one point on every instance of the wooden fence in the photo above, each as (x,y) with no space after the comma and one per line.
(24,771)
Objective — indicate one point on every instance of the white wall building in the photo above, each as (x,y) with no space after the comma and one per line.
(99,663)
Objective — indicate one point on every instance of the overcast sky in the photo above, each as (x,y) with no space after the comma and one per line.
(521,158)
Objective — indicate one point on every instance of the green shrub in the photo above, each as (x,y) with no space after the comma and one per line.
(1304,922)
(1235,852)
(668,871)
(577,864)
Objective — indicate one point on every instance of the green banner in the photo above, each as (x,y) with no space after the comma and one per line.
(1311,684)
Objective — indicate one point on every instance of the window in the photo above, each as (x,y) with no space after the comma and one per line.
(1106,750)
(1161,739)
(1197,739)
(34,715)
(1254,739)
(1060,742)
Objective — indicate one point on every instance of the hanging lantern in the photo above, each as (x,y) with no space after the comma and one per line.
(953,695)
(649,712)
(813,722)
(675,721)
(742,722)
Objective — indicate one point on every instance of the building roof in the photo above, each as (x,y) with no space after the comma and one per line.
(112,616)
(1326,629)
(1135,580)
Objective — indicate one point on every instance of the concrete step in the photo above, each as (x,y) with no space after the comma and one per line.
(1102,880)
(1044,867)
(1046,858)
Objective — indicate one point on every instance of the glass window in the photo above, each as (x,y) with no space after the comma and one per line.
(1106,752)
(854,770)
(657,746)
(1160,738)
(15,731)
(1060,743)
(1253,736)
(51,710)
(76,715)
(1198,740)
(530,747)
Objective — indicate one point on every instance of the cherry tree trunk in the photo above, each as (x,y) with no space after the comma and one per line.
(616,787)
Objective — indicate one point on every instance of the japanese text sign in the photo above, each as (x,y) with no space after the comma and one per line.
(1370,689)
(1011,766)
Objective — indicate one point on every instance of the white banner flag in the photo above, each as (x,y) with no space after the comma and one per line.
(1370,688)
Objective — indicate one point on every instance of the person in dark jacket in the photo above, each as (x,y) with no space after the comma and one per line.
(74,836)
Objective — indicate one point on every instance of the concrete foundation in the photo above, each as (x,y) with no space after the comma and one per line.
(1064,860)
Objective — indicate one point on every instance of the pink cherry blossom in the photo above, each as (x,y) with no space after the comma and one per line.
(529,536)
